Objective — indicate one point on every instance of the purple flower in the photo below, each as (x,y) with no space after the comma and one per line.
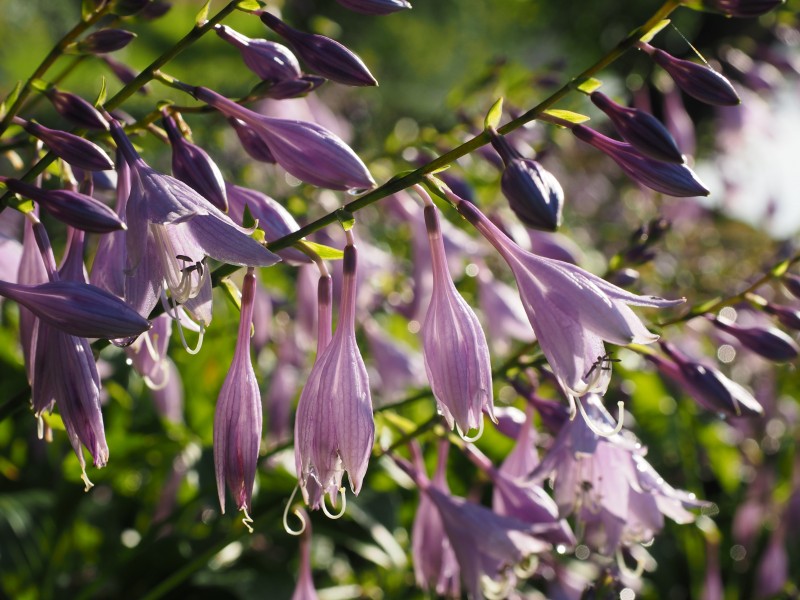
(270,61)
(743,8)
(105,40)
(69,147)
(642,130)
(237,421)
(76,109)
(251,141)
(334,428)
(771,343)
(375,7)
(327,57)
(124,73)
(699,81)
(73,208)
(108,268)
(571,311)
(171,229)
(194,167)
(306,150)
(454,346)
(399,368)
(305,590)
(790,317)
(668,178)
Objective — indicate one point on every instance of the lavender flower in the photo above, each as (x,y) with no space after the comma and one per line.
(194,167)
(270,61)
(105,40)
(375,7)
(69,147)
(305,590)
(642,130)
(327,57)
(108,268)
(309,152)
(251,141)
(667,178)
(571,311)
(237,421)
(334,429)
(790,317)
(76,109)
(171,230)
(771,343)
(454,346)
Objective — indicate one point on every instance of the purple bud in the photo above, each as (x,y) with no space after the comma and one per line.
(76,109)
(624,277)
(375,7)
(743,8)
(194,167)
(105,40)
(251,141)
(124,73)
(238,418)
(699,81)
(667,178)
(642,130)
(327,57)
(790,317)
(294,88)
(154,10)
(773,344)
(71,148)
(127,8)
(73,208)
(792,283)
(269,60)
(79,309)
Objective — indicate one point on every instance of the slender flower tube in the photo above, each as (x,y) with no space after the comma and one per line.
(237,421)
(642,130)
(668,178)
(306,150)
(454,345)
(571,311)
(375,7)
(194,167)
(305,590)
(327,57)
(69,147)
(334,428)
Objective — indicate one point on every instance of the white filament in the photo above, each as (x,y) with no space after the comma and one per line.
(247,520)
(340,514)
(474,438)
(296,512)
(591,425)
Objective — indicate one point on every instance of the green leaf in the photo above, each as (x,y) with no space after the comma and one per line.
(654,31)
(249,5)
(202,16)
(248,220)
(40,85)
(10,99)
(346,218)
(435,187)
(780,269)
(492,120)
(101,97)
(567,115)
(590,85)
(321,250)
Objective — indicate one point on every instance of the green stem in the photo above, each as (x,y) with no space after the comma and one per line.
(48,61)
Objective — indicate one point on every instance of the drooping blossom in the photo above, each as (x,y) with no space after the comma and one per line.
(108,268)
(306,150)
(334,427)
(503,311)
(454,346)
(398,366)
(238,418)
(69,147)
(375,7)
(171,229)
(251,141)
(572,312)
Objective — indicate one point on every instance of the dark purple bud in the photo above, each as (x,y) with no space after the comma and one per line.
(624,277)
(77,308)
(792,283)
(105,40)
(790,317)
(743,8)
(293,88)
(155,10)
(375,7)
(771,343)
(126,8)
(699,81)
(642,130)
(73,208)
(668,178)
(76,109)
(71,148)
(269,60)
(251,141)
(124,73)
(327,57)
(194,167)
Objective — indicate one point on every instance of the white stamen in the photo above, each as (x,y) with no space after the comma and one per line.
(608,433)
(474,438)
(635,574)
(163,367)
(527,567)
(247,520)
(340,514)
(89,485)
(296,512)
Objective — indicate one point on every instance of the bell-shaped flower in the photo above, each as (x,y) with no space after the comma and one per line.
(105,40)
(334,428)
(503,311)
(194,167)
(171,229)
(668,178)
(251,141)
(69,147)
(640,129)
(70,207)
(270,61)
(306,150)
(699,81)
(237,420)
(533,193)
(75,109)
(375,7)
(769,342)
(572,312)
(454,345)
(327,57)
(743,8)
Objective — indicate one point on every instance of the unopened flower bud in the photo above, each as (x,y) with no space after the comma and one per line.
(792,283)
(642,130)
(76,109)
(294,88)
(251,141)
(269,60)
(771,343)
(71,148)
(154,10)
(127,8)
(790,317)
(375,7)
(105,40)
(699,81)
(327,57)
(624,277)
(743,8)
